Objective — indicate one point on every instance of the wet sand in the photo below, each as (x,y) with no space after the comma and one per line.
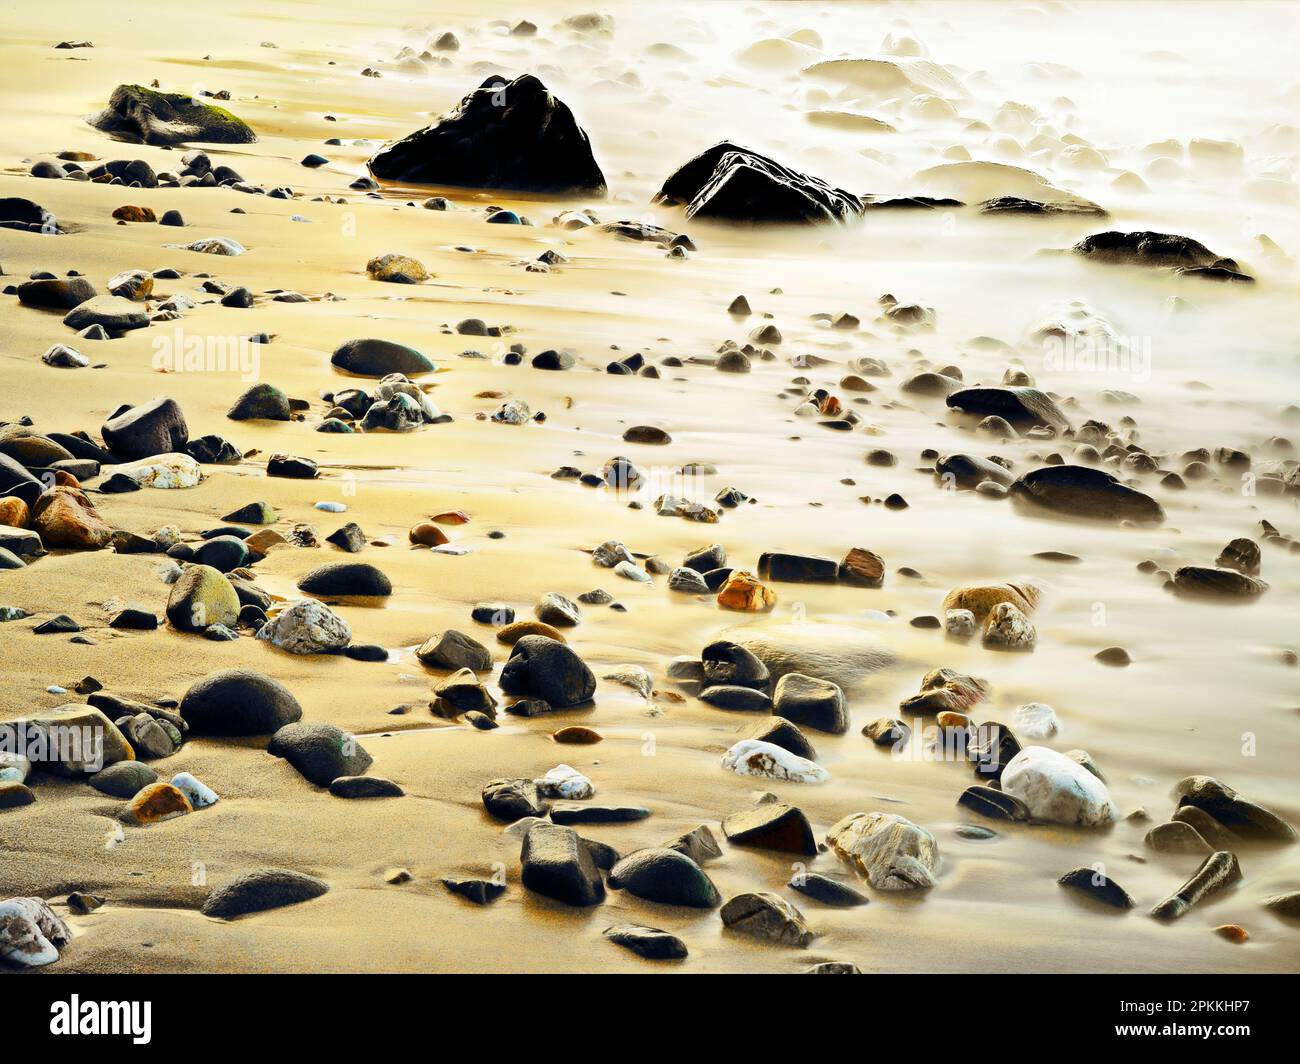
(1208,692)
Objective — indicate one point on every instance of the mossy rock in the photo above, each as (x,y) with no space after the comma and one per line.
(148,116)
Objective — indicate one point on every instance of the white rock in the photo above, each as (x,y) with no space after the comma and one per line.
(1008,628)
(1035,720)
(64,357)
(960,623)
(307,627)
(167,537)
(173,470)
(332,507)
(891,851)
(1057,789)
(30,932)
(216,245)
(200,794)
(564,781)
(630,571)
(753,757)
(633,676)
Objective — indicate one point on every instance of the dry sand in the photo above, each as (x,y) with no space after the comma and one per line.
(1208,691)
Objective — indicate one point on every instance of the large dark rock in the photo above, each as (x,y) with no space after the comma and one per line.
(148,116)
(378,358)
(513,799)
(239,702)
(1078,491)
(156,427)
(774,826)
(1022,407)
(19,213)
(267,888)
(1240,815)
(666,876)
(321,752)
(1145,248)
(1201,580)
(812,702)
(503,135)
(346,578)
(733,183)
(557,864)
(549,670)
(648,942)
(56,293)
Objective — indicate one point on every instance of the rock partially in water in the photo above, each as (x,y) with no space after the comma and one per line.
(556,863)
(1081,492)
(320,752)
(733,183)
(503,135)
(1058,789)
(1204,582)
(1239,815)
(769,917)
(1098,886)
(1022,407)
(1217,872)
(753,757)
(889,850)
(665,876)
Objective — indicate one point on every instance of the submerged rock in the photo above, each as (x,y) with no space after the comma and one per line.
(889,850)
(1217,872)
(1078,491)
(734,183)
(1057,788)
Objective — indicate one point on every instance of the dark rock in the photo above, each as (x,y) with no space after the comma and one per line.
(262,402)
(1217,872)
(582,813)
(811,702)
(1198,580)
(783,733)
(994,804)
(283,465)
(732,696)
(320,752)
(1241,554)
(1022,407)
(797,568)
(826,890)
(346,578)
(699,845)
(213,449)
(774,826)
(267,888)
(1145,248)
(665,876)
(1241,816)
(147,116)
(862,568)
(1077,491)
(548,670)
(503,135)
(558,865)
(455,650)
(349,538)
(124,780)
(156,427)
(134,619)
(379,358)
(647,942)
(1098,886)
(513,799)
(1177,837)
(725,662)
(365,787)
(734,183)
(223,553)
(56,293)
(479,891)
(767,916)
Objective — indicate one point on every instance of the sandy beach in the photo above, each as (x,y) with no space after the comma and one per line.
(858,340)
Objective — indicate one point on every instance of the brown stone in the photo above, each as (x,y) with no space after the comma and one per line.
(131,213)
(14,512)
(427,534)
(452,517)
(512,633)
(156,802)
(65,517)
(742,591)
(576,734)
(862,568)
(980,599)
